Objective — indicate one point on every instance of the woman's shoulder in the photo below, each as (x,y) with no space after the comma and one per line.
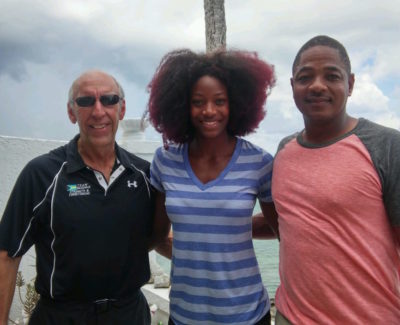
(249,148)
(172,152)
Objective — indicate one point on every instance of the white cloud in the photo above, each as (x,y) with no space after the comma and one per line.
(45,44)
(389,119)
(79,11)
(370,102)
(367,95)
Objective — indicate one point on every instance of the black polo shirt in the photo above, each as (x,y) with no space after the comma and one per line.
(90,236)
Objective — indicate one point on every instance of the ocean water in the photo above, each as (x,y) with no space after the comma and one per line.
(267,252)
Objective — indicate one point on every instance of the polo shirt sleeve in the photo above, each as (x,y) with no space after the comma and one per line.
(17,224)
(150,220)
(155,170)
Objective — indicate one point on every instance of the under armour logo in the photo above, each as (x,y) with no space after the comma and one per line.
(134,184)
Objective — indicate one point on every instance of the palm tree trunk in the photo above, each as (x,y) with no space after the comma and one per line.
(215,25)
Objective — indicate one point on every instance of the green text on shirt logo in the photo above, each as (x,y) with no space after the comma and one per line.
(78,189)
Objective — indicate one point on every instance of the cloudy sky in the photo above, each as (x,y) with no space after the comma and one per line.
(46,44)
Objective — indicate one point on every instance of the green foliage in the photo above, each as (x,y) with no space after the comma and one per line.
(30,300)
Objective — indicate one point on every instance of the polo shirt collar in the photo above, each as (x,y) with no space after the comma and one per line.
(123,157)
(75,161)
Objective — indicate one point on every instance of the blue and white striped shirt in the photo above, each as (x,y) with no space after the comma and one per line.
(214,274)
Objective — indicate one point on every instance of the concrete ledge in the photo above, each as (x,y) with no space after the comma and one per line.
(160,298)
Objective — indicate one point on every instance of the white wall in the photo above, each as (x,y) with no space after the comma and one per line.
(14,154)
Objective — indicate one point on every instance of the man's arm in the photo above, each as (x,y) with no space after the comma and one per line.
(265,224)
(164,248)
(8,274)
(161,239)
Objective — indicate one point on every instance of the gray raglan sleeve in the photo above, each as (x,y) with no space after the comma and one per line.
(383,145)
(284,141)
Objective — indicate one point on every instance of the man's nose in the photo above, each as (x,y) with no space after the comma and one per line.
(98,108)
(318,84)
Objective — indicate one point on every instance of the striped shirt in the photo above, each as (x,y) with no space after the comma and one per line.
(214,274)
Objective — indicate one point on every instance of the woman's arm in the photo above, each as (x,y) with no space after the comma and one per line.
(265,224)
(161,239)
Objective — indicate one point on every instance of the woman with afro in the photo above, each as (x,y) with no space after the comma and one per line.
(208,179)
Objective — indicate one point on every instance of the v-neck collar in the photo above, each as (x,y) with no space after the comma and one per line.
(198,182)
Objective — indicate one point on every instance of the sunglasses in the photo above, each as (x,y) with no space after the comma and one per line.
(105,100)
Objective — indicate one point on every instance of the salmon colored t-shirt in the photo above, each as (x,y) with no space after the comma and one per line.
(339,259)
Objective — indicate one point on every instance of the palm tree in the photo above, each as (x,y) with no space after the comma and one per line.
(215,24)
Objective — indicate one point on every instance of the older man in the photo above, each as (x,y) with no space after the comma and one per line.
(87,208)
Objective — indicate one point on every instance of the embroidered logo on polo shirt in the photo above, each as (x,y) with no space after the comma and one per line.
(78,189)
(130,184)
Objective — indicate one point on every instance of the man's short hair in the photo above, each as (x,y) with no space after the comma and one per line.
(72,89)
(323,40)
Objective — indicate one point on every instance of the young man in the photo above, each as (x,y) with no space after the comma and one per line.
(336,188)
(88,223)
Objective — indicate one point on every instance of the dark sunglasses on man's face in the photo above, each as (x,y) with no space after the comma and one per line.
(105,100)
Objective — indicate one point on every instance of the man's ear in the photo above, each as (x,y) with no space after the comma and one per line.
(122,109)
(351,83)
(291,82)
(71,114)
